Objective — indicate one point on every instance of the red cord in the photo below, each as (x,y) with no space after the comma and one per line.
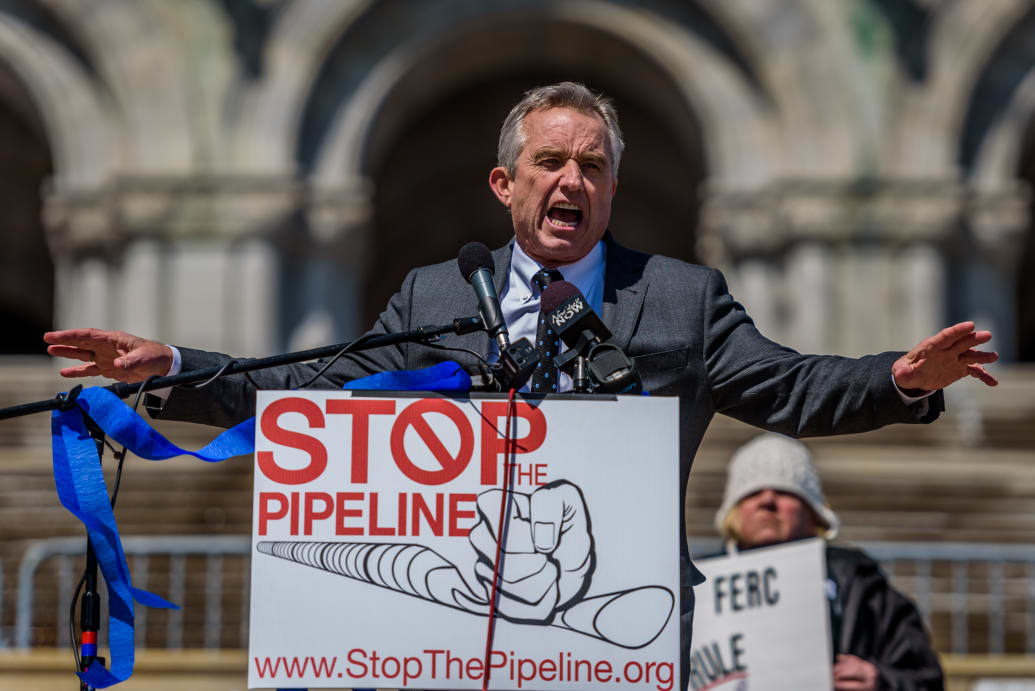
(508,452)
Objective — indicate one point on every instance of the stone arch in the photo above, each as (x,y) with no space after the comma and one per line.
(731,107)
(143,65)
(26,268)
(703,90)
(992,252)
(1025,290)
(53,78)
(68,97)
(267,112)
(927,141)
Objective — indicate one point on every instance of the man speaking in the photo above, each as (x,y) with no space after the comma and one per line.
(557,172)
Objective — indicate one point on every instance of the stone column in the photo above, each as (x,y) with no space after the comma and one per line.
(143,284)
(921,295)
(327,305)
(809,286)
(996,218)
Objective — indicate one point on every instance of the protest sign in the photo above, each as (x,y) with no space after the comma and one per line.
(762,622)
(376,522)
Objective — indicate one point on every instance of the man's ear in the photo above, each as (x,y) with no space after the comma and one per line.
(500,182)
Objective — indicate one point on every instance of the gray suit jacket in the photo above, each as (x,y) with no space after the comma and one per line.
(686,334)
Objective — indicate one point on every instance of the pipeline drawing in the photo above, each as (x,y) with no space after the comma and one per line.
(551,553)
(421,572)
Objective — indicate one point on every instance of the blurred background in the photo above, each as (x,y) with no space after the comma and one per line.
(254,176)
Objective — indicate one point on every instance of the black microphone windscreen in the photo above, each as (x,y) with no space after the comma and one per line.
(557,293)
(474,256)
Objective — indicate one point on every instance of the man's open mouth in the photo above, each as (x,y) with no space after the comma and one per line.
(564,215)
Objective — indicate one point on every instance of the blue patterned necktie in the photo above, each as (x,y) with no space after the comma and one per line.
(547,342)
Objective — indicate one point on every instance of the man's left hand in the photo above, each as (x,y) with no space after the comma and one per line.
(852,673)
(944,358)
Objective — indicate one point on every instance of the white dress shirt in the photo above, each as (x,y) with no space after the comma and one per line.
(520,298)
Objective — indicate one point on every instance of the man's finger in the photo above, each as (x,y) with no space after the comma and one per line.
(88,370)
(131,359)
(978,372)
(978,356)
(82,338)
(950,334)
(70,352)
(850,685)
(970,340)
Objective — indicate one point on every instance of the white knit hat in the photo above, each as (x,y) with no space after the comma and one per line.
(777,462)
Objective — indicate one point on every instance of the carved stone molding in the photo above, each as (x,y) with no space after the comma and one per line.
(103,220)
(338,215)
(998,219)
(767,221)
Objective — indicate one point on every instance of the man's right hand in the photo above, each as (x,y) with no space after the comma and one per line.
(113,354)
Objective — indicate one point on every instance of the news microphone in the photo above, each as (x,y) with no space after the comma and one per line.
(477,267)
(579,327)
(517,360)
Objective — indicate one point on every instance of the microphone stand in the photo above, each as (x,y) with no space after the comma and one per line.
(422,334)
(580,382)
(90,604)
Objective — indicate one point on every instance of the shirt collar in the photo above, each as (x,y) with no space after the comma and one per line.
(583,273)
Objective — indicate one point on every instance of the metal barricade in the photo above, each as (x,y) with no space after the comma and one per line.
(139,550)
(976,598)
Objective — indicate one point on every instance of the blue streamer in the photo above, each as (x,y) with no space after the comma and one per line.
(81,488)
(445,376)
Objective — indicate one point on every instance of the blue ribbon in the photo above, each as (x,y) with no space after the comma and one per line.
(81,488)
(445,376)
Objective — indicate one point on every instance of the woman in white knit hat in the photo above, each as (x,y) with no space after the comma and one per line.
(773,495)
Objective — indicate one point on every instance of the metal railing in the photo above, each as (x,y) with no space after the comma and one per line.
(964,600)
(138,550)
(964,591)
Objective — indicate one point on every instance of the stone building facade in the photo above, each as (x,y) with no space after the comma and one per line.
(257,175)
(250,176)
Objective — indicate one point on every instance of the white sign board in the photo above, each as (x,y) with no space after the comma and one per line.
(761,621)
(376,523)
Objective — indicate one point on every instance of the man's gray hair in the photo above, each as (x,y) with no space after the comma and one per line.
(563,95)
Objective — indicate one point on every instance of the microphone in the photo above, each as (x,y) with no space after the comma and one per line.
(610,370)
(517,360)
(477,267)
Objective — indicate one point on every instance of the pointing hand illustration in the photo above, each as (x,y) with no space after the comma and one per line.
(547,559)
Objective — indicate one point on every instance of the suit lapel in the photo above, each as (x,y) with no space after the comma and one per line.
(501,258)
(624,288)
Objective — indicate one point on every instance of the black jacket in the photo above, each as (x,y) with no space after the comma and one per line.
(875,622)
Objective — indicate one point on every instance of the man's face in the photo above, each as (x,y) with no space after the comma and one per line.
(560,195)
(769,517)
